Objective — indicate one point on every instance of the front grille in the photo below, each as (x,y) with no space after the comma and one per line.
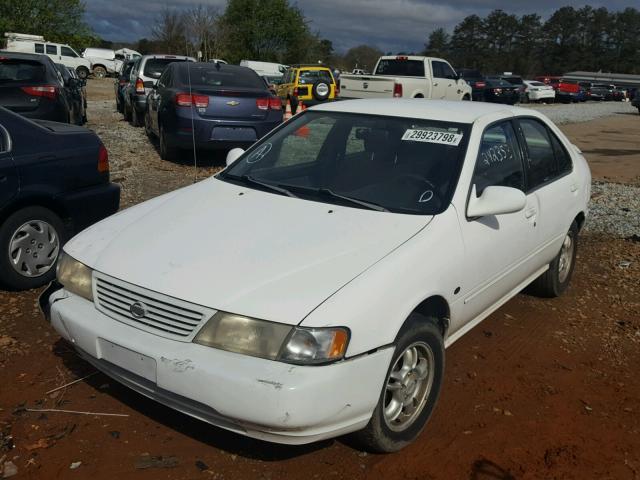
(161,314)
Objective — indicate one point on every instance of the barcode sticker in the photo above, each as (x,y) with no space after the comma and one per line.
(432,136)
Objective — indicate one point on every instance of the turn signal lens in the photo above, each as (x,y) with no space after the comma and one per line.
(139,86)
(275,103)
(103,160)
(315,345)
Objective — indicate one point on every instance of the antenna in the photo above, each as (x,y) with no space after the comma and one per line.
(193,132)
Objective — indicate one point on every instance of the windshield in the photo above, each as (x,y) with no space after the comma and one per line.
(384,163)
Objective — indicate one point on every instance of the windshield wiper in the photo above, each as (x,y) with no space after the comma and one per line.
(248,179)
(369,205)
(330,193)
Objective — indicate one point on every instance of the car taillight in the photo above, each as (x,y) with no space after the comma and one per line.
(103,160)
(200,101)
(46,91)
(275,103)
(183,99)
(139,86)
(262,103)
(397,90)
(186,100)
(337,90)
(480,85)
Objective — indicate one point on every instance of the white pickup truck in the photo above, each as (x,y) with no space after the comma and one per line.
(407,77)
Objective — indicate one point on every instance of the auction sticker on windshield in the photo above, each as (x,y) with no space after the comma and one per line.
(432,136)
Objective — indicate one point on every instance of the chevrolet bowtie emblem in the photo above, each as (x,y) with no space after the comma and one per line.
(233,103)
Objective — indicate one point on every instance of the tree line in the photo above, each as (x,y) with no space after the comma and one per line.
(590,39)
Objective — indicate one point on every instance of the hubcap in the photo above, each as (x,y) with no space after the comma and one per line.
(33,248)
(566,257)
(408,386)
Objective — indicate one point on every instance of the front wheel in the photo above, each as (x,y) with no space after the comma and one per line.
(99,72)
(411,387)
(555,280)
(30,242)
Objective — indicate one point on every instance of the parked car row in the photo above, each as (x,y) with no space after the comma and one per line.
(183,103)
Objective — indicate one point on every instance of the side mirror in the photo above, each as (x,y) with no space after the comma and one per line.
(233,155)
(495,201)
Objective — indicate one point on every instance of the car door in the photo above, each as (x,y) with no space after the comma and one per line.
(157,98)
(550,178)
(450,82)
(8,172)
(498,248)
(69,57)
(439,83)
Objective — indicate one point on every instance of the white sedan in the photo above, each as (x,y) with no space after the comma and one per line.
(538,92)
(310,289)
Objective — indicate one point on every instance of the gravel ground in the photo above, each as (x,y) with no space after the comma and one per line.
(562,113)
(614,209)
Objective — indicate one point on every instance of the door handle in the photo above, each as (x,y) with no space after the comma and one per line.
(529,212)
(435,84)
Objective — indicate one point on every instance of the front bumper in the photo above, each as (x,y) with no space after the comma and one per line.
(263,399)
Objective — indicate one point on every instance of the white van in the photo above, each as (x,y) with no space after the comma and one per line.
(264,68)
(58,52)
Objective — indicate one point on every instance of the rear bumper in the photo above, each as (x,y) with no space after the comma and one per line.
(90,205)
(259,398)
(181,134)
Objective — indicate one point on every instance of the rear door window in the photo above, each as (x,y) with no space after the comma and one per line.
(401,68)
(541,159)
(308,77)
(39,47)
(154,67)
(52,50)
(17,71)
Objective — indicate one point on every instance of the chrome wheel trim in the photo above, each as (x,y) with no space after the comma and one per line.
(566,258)
(322,89)
(33,248)
(408,386)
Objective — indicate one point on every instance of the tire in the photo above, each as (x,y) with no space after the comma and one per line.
(147,126)
(383,434)
(555,280)
(99,72)
(136,121)
(30,241)
(83,72)
(127,112)
(466,98)
(166,152)
(119,104)
(321,90)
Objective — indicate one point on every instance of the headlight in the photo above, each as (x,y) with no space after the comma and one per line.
(75,276)
(273,341)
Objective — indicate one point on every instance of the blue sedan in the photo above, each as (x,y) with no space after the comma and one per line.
(217,106)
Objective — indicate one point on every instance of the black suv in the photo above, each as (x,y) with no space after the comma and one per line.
(54,182)
(31,85)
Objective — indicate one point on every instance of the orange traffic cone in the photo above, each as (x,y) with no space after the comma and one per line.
(301,106)
(287,111)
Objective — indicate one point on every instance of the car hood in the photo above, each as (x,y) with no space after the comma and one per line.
(240,250)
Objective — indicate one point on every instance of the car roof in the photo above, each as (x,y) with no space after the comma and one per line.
(439,110)
(166,55)
(23,56)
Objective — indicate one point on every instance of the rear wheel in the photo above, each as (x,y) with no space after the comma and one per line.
(167,152)
(99,72)
(411,387)
(127,112)
(30,242)
(147,126)
(136,118)
(555,280)
(83,72)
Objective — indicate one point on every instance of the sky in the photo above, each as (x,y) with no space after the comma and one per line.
(391,25)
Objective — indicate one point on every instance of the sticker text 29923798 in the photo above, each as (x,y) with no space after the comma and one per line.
(432,136)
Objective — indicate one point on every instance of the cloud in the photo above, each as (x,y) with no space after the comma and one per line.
(391,25)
